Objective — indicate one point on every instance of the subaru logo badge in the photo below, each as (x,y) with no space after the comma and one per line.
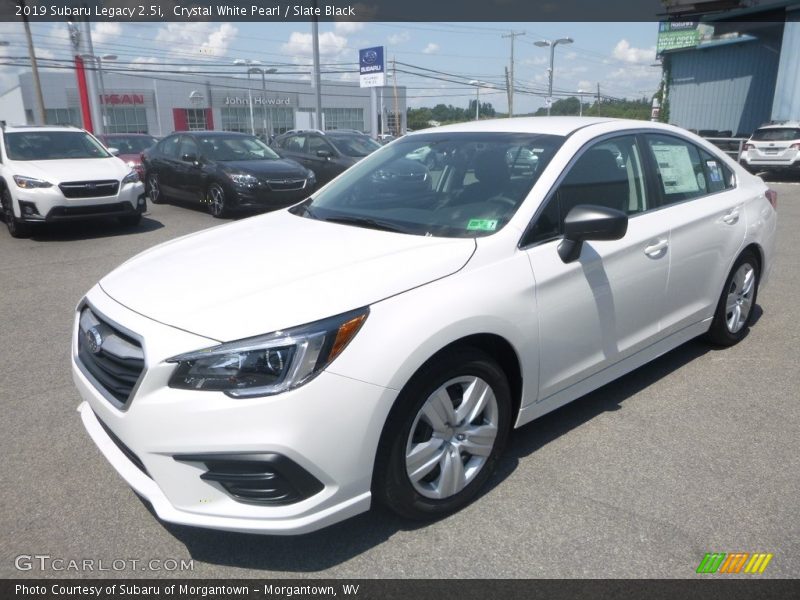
(94,340)
(370,57)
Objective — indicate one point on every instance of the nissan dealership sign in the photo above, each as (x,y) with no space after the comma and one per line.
(258,101)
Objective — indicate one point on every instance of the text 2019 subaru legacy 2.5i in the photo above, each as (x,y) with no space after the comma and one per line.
(382,338)
(51,173)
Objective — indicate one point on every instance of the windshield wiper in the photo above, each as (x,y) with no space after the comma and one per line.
(367,222)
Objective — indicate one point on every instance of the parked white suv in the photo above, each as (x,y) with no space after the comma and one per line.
(773,147)
(50,174)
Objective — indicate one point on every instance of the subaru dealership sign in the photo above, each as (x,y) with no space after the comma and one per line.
(372,66)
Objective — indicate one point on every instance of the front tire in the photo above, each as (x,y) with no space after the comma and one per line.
(131,220)
(736,305)
(217,203)
(17,229)
(444,435)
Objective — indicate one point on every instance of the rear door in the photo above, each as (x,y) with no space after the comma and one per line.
(705,214)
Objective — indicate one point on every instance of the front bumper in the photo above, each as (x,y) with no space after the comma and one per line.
(329,427)
(266,200)
(49,205)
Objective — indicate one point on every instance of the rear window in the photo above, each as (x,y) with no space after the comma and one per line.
(776,134)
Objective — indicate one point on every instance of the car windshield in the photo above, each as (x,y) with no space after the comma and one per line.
(235,148)
(442,184)
(776,134)
(354,145)
(133,144)
(52,145)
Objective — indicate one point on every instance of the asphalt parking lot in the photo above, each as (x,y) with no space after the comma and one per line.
(697,452)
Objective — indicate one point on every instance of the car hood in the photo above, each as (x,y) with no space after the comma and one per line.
(72,169)
(134,158)
(276,271)
(266,168)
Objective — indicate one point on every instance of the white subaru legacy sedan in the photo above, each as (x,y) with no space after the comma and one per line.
(382,338)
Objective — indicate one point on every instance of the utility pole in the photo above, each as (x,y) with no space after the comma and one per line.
(397,124)
(316,78)
(508,93)
(40,114)
(510,86)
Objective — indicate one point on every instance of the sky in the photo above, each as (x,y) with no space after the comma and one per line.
(435,61)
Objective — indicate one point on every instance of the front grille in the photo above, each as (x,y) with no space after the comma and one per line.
(114,359)
(129,454)
(93,209)
(89,189)
(286,185)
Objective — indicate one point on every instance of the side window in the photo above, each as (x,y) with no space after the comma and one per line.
(718,176)
(317,143)
(608,174)
(681,173)
(188,146)
(293,143)
(169,147)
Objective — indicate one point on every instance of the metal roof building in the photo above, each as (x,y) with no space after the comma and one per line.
(734,72)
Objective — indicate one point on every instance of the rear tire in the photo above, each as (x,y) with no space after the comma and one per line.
(443,436)
(17,229)
(153,189)
(737,302)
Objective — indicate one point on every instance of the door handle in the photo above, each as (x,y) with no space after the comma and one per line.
(655,249)
(731,217)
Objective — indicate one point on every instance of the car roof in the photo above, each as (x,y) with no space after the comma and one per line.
(544,125)
(781,125)
(24,128)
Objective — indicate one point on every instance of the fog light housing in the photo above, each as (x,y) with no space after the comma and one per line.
(28,210)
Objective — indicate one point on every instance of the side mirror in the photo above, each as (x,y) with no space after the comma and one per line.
(113,151)
(190,158)
(324,153)
(589,222)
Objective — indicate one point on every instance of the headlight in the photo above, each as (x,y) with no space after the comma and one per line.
(131,177)
(267,364)
(243,179)
(30,183)
(311,177)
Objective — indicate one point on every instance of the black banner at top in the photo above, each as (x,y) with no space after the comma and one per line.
(276,11)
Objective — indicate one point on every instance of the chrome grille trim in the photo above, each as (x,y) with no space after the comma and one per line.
(117,367)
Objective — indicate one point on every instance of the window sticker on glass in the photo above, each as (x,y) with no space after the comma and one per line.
(482,224)
(677,172)
(714,172)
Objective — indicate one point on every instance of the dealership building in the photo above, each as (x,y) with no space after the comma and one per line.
(732,71)
(158,104)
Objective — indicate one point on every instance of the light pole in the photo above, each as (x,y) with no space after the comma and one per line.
(581,92)
(99,61)
(263,93)
(552,44)
(478,85)
(247,62)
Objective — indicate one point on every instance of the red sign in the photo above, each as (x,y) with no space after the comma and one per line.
(122,99)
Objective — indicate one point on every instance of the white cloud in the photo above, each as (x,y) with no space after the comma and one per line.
(625,52)
(399,38)
(571,55)
(105,31)
(585,85)
(348,27)
(331,45)
(214,40)
(431,48)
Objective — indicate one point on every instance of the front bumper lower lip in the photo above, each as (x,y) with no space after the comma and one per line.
(148,489)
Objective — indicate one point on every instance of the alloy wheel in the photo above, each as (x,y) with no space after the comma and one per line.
(155,191)
(740,297)
(216,201)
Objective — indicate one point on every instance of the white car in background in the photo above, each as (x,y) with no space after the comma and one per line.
(277,374)
(773,147)
(51,173)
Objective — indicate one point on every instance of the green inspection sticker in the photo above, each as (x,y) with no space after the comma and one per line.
(482,225)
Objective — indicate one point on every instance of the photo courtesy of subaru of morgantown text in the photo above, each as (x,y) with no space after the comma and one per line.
(380,339)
